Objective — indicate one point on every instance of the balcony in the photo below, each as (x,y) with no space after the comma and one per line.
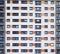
(1,51)
(1,32)
(1,14)
(1,2)
(58,51)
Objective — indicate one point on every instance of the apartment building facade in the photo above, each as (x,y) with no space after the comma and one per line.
(30,27)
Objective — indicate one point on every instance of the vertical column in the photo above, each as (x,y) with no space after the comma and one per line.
(2,29)
(57,26)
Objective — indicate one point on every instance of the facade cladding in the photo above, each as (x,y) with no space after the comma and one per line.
(29,26)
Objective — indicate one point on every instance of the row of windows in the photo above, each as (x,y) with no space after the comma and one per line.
(31,8)
(30,32)
(30,2)
(31,26)
(31,44)
(30,14)
(37,39)
(30,50)
(30,20)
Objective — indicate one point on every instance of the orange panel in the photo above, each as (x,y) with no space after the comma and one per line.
(42,50)
(42,38)
(49,32)
(10,50)
(11,38)
(19,32)
(49,44)
(28,38)
(49,8)
(42,1)
(33,44)
(42,14)
(42,26)
(33,32)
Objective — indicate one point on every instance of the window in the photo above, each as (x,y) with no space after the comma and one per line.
(8,14)
(15,20)
(46,50)
(45,38)
(30,44)
(37,20)
(8,1)
(23,14)
(52,20)
(52,26)
(15,1)
(37,14)
(37,39)
(52,44)
(15,32)
(15,50)
(15,38)
(58,3)
(23,8)
(23,2)
(46,26)
(23,32)
(37,2)
(31,32)
(1,45)
(52,14)
(15,44)
(46,14)
(31,2)
(8,26)
(31,38)
(37,8)
(31,14)
(8,32)
(46,20)
(8,44)
(15,26)
(8,8)
(23,20)
(8,20)
(37,51)
(31,26)
(8,50)
(38,33)
(15,8)
(46,2)
(31,8)
(1,2)
(1,38)
(23,26)
(37,26)
(1,20)
(46,8)
(8,38)
(30,20)
(46,32)
(30,50)
(45,44)
(15,14)
(52,2)
(52,8)
(23,38)
(52,32)
(2,14)
(23,44)
(52,38)
(23,50)
(52,50)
